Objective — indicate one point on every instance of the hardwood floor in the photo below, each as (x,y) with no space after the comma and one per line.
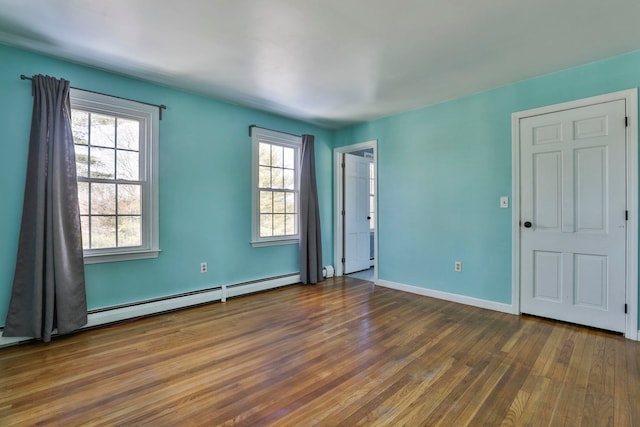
(342,353)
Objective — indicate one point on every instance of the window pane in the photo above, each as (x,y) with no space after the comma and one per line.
(290,227)
(290,203)
(103,164)
(278,202)
(128,134)
(277,180)
(103,232)
(266,200)
(84,224)
(82,160)
(129,231)
(289,158)
(128,165)
(276,156)
(266,225)
(289,179)
(264,177)
(129,199)
(83,197)
(264,154)
(103,199)
(278,225)
(80,126)
(103,130)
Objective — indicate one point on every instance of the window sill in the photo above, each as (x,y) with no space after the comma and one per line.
(121,256)
(262,243)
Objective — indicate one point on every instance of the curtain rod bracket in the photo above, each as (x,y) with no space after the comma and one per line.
(23,77)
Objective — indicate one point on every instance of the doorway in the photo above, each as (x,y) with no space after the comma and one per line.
(575,212)
(355,214)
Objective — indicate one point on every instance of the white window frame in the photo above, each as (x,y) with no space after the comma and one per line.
(278,138)
(148,116)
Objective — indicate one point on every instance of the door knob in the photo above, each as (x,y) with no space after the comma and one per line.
(368,217)
(527,224)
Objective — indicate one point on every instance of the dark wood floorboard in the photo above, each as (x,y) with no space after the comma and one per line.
(341,353)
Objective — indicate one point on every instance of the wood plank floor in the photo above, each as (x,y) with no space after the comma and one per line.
(342,353)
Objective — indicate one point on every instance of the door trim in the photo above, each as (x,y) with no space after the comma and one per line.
(630,97)
(338,204)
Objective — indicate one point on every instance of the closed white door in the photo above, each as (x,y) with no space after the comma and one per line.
(357,234)
(573,215)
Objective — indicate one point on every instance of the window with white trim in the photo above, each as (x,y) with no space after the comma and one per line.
(276,183)
(116,146)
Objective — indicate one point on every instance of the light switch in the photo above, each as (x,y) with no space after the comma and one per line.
(504,202)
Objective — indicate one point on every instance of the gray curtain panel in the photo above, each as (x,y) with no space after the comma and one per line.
(49,285)
(310,235)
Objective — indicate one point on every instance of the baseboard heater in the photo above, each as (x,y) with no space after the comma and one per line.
(113,314)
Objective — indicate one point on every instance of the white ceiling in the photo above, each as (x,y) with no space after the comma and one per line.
(327,62)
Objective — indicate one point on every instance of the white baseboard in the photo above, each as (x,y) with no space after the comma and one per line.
(461,299)
(170,303)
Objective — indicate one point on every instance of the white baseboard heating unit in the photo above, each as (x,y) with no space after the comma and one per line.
(106,315)
(328,271)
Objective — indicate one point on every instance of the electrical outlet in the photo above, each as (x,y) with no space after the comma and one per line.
(203,267)
(457,266)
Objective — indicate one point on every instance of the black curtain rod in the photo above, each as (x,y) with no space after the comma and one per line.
(273,130)
(159,107)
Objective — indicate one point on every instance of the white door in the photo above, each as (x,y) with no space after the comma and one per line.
(357,234)
(573,209)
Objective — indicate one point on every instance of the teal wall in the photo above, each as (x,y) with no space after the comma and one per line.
(442,169)
(205,187)
(441,172)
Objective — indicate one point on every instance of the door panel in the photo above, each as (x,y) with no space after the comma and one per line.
(573,180)
(547,280)
(591,189)
(547,190)
(591,281)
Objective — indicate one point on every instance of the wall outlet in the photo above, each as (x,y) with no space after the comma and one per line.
(203,267)
(457,266)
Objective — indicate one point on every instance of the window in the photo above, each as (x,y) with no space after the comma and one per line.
(276,170)
(116,165)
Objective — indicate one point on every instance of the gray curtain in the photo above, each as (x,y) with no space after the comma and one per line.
(310,235)
(48,285)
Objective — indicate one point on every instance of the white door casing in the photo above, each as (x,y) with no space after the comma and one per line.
(338,200)
(357,233)
(573,213)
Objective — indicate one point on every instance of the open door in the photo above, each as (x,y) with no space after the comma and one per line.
(357,231)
